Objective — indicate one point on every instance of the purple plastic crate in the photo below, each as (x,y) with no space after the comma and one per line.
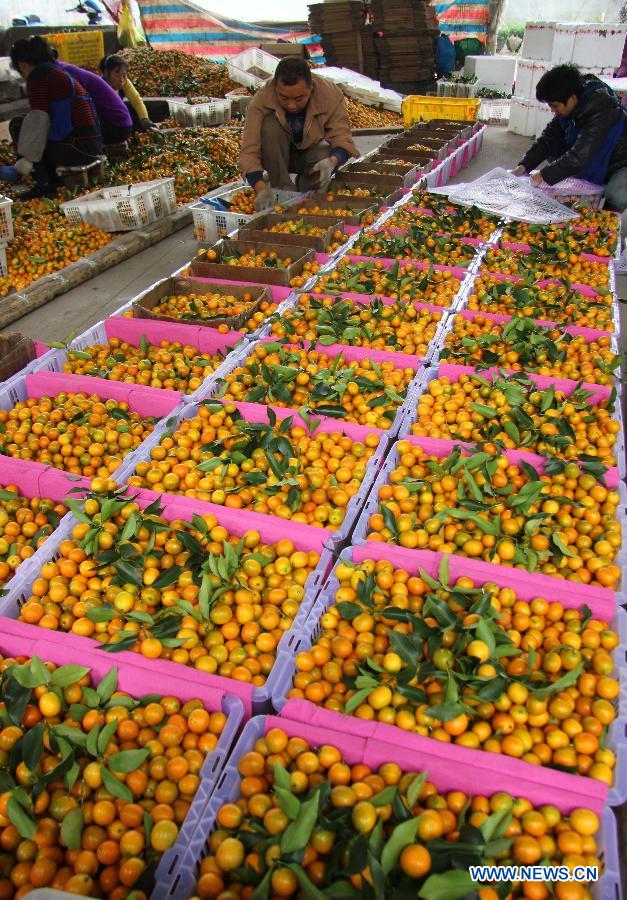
(357,749)
(256,412)
(25,640)
(238,522)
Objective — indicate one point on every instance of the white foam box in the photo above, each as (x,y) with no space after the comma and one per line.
(543,117)
(588,44)
(523,116)
(494,72)
(528,74)
(538,40)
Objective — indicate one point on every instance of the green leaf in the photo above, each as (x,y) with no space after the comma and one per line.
(488,412)
(357,699)
(385,796)
(115,786)
(485,634)
(72,829)
(262,891)
(452,885)
(281,776)
(92,740)
(559,685)
(296,835)
(415,789)
(128,572)
(101,614)
(32,746)
(402,836)
(495,824)
(25,676)
(308,889)
(289,803)
(127,760)
(105,736)
(25,826)
(68,675)
(349,610)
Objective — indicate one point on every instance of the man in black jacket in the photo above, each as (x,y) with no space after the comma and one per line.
(586,139)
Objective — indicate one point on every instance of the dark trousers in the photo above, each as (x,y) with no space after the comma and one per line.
(280,156)
(70,152)
(115,134)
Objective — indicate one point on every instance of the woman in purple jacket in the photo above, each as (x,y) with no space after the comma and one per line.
(116,124)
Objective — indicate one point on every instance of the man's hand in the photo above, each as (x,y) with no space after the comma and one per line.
(9,173)
(264,199)
(536,178)
(147,125)
(519,170)
(325,169)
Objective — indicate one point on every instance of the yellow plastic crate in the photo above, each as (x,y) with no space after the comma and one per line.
(459,109)
(81,48)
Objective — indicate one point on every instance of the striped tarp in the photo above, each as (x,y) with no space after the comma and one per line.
(463,20)
(181,25)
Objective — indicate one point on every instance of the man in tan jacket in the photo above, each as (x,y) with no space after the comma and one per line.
(295,123)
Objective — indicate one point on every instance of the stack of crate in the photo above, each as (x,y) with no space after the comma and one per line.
(405,32)
(346,39)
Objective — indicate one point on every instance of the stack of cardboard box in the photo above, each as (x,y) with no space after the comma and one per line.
(405,32)
(346,39)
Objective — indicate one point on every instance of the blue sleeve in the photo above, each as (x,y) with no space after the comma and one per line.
(340,154)
(253,177)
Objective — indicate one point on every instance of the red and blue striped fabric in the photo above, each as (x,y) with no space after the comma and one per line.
(181,25)
(463,20)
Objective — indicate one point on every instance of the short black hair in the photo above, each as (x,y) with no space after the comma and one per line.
(560,83)
(291,70)
(111,63)
(34,51)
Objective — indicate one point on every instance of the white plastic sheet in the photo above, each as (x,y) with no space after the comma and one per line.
(506,195)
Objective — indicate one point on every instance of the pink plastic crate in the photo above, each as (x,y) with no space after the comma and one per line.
(360,747)
(19,639)
(588,334)
(527,248)
(599,394)
(144,400)
(350,354)
(304,537)
(256,412)
(366,299)
(527,588)
(132,331)
(442,448)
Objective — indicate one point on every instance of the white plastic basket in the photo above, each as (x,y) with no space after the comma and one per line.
(6,219)
(210,112)
(253,67)
(4,268)
(239,103)
(212,224)
(123,208)
(494,112)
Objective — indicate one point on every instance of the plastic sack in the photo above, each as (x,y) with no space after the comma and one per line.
(503,194)
(129,35)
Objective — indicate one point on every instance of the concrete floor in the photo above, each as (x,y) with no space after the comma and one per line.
(100,297)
